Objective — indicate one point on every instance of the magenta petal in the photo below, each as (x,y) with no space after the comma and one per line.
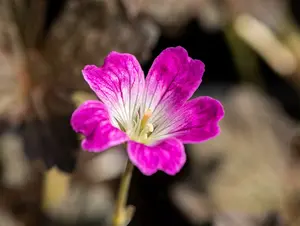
(171,81)
(143,157)
(171,156)
(118,83)
(168,156)
(92,120)
(199,120)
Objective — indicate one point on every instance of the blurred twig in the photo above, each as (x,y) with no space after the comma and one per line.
(244,58)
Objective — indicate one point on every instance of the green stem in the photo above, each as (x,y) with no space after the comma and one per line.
(123,214)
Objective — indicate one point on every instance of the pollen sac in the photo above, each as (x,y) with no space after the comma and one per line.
(149,128)
(145,118)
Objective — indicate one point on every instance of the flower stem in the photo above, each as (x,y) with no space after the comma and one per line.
(123,214)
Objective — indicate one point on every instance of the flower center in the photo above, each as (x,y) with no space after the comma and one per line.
(142,129)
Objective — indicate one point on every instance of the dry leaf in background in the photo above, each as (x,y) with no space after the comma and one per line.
(20,184)
(42,55)
(91,194)
(247,162)
(267,27)
(238,219)
(290,210)
(86,31)
(16,170)
(212,14)
(8,220)
(171,14)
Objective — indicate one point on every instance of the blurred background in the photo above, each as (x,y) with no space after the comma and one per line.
(248,176)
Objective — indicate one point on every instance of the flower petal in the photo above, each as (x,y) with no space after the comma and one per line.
(92,120)
(168,156)
(171,81)
(143,157)
(198,120)
(171,156)
(118,84)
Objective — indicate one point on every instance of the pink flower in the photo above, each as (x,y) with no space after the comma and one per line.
(153,115)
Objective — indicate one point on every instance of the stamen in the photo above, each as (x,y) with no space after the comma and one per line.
(150,127)
(146,132)
(145,118)
(141,129)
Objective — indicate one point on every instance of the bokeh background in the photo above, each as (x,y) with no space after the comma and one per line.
(248,176)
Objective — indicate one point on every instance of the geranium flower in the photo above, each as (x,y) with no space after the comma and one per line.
(153,115)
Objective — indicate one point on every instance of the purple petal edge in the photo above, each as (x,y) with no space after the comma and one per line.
(200,121)
(91,119)
(168,156)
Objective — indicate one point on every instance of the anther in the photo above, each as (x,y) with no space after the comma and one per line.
(145,118)
(149,128)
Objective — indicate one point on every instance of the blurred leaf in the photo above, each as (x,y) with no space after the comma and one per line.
(55,187)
